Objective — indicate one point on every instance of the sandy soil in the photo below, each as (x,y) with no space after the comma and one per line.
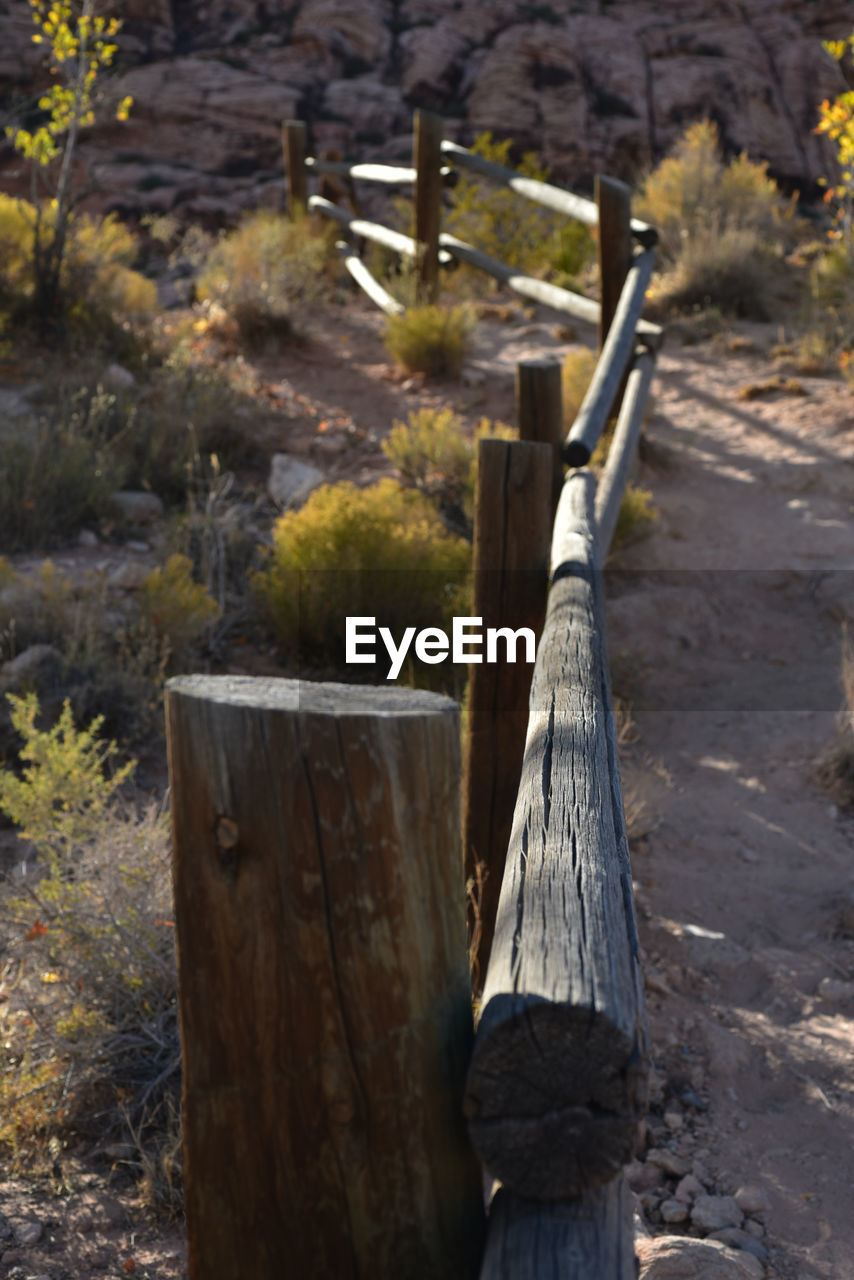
(725,634)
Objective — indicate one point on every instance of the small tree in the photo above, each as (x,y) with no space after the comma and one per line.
(836,119)
(79,48)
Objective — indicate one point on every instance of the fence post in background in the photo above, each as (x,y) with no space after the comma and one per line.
(427,153)
(293,142)
(512,536)
(324,999)
(539,411)
(614,199)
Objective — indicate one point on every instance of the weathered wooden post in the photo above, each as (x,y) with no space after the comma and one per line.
(511,548)
(293,145)
(614,200)
(324,990)
(539,411)
(427,153)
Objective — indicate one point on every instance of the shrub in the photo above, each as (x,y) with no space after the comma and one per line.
(721,225)
(507,226)
(97,279)
(178,609)
(380,552)
(54,481)
(92,1023)
(264,272)
(636,517)
(433,454)
(579,364)
(430,340)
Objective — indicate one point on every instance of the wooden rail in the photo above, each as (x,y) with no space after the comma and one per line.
(556,1084)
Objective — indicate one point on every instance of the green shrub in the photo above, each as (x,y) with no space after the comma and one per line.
(432,453)
(91,1025)
(722,226)
(265,272)
(379,552)
(54,481)
(507,226)
(430,340)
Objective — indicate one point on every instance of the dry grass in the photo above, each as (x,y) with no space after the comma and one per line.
(772,387)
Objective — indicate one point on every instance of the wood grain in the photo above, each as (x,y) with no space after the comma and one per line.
(587,1238)
(324,994)
(557,1080)
(511,553)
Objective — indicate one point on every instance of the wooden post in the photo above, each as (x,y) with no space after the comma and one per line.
(511,549)
(557,1082)
(614,200)
(539,411)
(427,153)
(293,142)
(588,1238)
(324,990)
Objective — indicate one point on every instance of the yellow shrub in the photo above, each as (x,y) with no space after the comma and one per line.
(636,517)
(178,609)
(97,274)
(579,364)
(433,453)
(430,340)
(380,552)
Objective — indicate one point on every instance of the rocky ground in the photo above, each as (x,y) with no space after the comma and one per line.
(726,629)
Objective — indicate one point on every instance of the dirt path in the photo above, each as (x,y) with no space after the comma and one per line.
(725,631)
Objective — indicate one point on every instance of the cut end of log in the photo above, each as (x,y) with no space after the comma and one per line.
(553,1098)
(575,453)
(314,697)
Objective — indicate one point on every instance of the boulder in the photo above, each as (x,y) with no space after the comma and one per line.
(682,1258)
(290,481)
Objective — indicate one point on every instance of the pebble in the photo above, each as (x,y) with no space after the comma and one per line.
(747,854)
(837,991)
(136,506)
(672,1164)
(29,1232)
(755,1228)
(712,1213)
(643,1177)
(741,1240)
(752,1199)
(673,1211)
(87,538)
(689,1188)
(673,1120)
(138,545)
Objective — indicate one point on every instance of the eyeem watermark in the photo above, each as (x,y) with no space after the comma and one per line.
(465,644)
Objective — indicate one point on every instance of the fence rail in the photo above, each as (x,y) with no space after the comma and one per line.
(324,1000)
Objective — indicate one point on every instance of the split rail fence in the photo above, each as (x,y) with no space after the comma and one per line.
(337,1105)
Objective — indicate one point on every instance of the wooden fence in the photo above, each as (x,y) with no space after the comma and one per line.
(325,999)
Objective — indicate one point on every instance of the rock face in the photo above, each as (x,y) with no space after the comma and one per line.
(593,85)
